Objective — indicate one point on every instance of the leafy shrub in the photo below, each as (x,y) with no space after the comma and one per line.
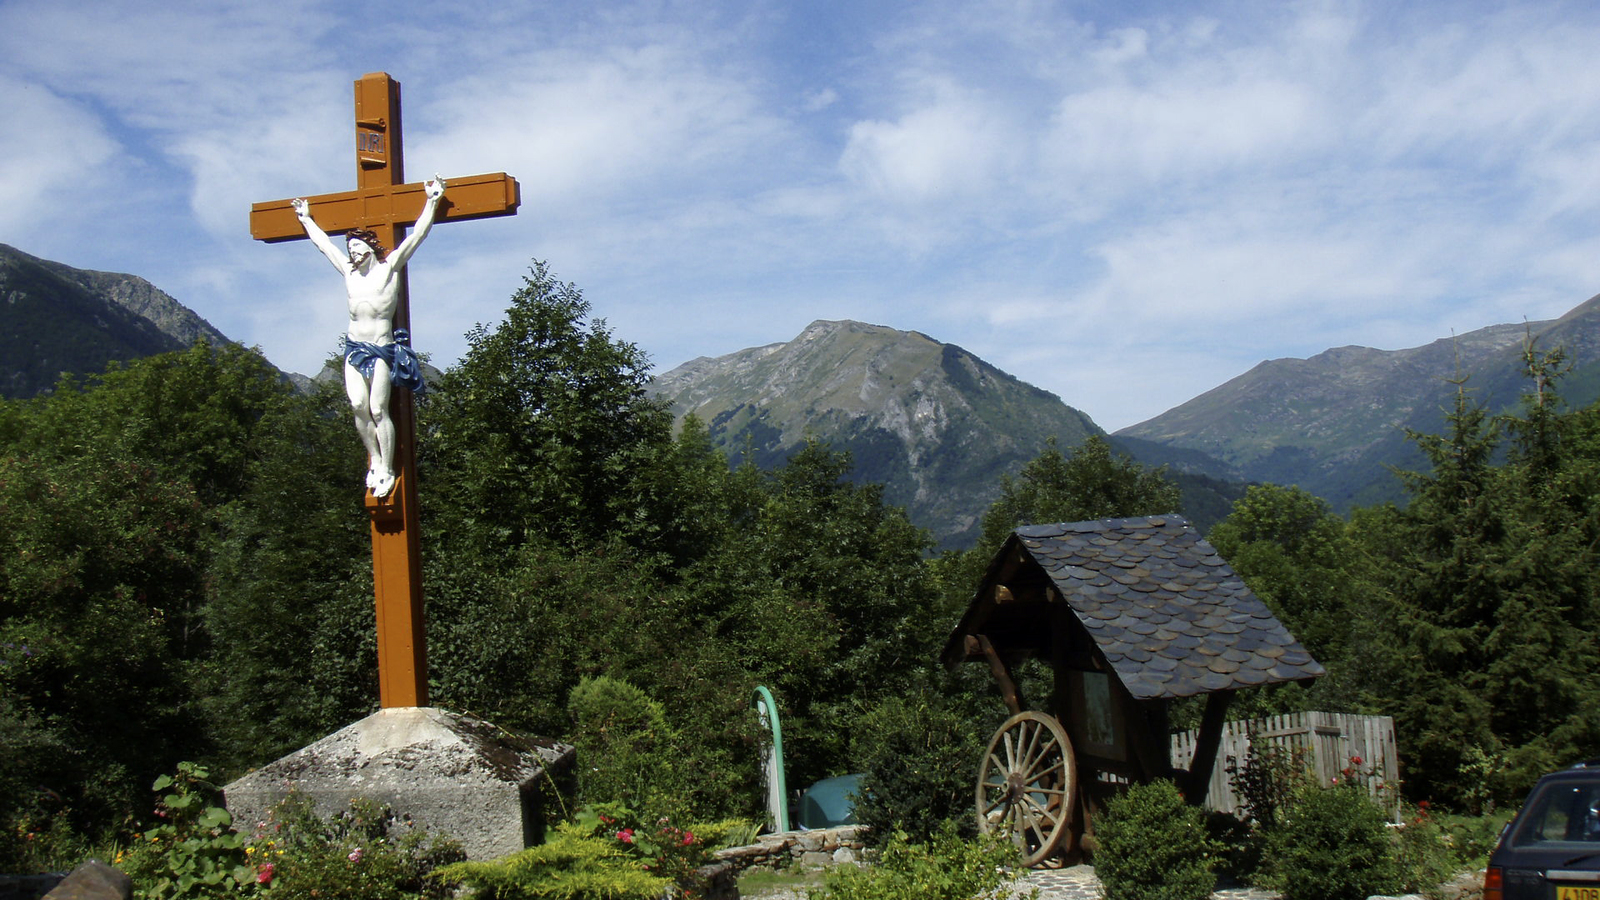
(1332,845)
(625,747)
(1471,838)
(946,867)
(1154,846)
(194,852)
(1423,854)
(573,864)
(918,756)
(1237,844)
(365,851)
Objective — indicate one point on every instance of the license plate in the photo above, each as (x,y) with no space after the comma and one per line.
(1577,892)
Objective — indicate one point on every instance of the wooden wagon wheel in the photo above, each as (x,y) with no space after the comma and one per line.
(1026,785)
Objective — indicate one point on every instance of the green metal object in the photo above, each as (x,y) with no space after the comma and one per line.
(777,789)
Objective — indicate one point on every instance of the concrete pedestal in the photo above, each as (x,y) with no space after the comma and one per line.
(451,773)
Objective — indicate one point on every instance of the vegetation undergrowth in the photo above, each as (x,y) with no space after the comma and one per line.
(605,850)
(196,852)
(1154,846)
(945,867)
(1333,844)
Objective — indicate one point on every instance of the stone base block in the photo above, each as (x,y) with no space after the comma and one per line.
(450,773)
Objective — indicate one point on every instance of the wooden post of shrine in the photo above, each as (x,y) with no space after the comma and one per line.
(385,204)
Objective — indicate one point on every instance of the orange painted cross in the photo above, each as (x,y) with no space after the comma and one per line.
(383,203)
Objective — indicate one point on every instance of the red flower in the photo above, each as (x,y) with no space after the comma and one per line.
(1355,760)
(625,835)
(264,874)
(688,838)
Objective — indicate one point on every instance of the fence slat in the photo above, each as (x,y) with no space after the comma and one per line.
(1332,740)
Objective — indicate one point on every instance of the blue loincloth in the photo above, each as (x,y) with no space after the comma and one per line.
(404,368)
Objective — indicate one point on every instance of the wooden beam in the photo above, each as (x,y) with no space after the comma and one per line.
(473,197)
(1002,674)
(1198,781)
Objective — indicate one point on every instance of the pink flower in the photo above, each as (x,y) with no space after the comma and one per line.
(264,874)
(625,835)
(355,855)
(688,838)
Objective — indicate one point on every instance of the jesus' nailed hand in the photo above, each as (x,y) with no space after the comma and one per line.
(373,358)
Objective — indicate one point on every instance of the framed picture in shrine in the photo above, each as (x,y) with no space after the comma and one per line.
(1097,723)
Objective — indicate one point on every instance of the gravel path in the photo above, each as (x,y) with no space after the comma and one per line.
(1079,883)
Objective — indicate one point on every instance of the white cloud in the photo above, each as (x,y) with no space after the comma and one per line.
(954,147)
(56,157)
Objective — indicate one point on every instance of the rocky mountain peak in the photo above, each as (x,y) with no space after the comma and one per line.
(930,421)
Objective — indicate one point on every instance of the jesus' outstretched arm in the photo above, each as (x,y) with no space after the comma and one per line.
(302,209)
(434,190)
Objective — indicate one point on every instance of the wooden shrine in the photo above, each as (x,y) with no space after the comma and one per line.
(1131,614)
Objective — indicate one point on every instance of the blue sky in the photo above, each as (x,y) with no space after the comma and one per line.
(1123,203)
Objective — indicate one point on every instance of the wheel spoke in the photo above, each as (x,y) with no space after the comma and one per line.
(991,807)
(1045,751)
(1033,741)
(1059,765)
(1041,812)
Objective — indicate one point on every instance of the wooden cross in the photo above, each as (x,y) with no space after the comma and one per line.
(383,203)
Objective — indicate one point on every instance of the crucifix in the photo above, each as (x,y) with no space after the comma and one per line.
(380,209)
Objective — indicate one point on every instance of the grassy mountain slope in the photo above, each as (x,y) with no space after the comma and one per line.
(1334,423)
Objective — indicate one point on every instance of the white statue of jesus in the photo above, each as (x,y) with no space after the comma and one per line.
(376,355)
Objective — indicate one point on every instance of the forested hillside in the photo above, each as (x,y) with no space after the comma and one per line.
(185,574)
(62,320)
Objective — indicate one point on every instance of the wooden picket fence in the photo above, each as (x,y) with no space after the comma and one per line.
(1329,742)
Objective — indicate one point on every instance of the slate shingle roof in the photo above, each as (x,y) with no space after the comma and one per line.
(1170,616)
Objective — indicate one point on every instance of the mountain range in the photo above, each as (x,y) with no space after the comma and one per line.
(936,425)
(1336,423)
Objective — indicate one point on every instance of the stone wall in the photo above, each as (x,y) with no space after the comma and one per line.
(819,848)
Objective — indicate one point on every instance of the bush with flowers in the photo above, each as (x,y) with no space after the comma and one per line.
(572,864)
(365,851)
(662,847)
(195,852)
(606,850)
(1424,853)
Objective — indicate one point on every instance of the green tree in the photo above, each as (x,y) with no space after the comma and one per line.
(290,609)
(100,575)
(110,491)
(1302,561)
(1491,568)
(541,431)
(1092,483)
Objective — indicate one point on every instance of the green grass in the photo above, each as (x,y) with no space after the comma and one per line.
(764,882)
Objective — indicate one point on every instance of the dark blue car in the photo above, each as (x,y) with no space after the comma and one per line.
(1551,850)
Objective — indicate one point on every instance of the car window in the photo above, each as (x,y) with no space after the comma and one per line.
(1561,813)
